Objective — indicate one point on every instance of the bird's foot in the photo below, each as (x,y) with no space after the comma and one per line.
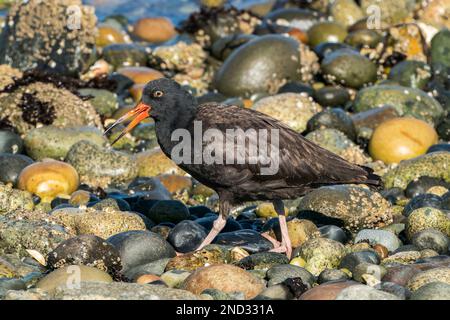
(283,248)
(275,242)
(278,247)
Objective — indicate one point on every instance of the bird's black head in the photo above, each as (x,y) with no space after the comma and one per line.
(164,100)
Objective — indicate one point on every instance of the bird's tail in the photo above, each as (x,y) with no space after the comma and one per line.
(373,180)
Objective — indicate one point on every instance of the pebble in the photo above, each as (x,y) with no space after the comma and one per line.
(362,292)
(279,273)
(11,165)
(186,236)
(359,208)
(431,239)
(385,238)
(332,275)
(248,240)
(49,179)
(334,118)
(99,166)
(226,278)
(10,142)
(321,254)
(349,68)
(432,291)
(66,277)
(191,261)
(327,291)
(425,218)
(441,274)
(174,278)
(353,259)
(294,109)
(168,211)
(55,143)
(154,30)
(326,32)
(140,247)
(262,261)
(333,233)
(102,223)
(88,250)
(401,139)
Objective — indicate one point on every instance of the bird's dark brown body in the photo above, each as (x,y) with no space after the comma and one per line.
(301,164)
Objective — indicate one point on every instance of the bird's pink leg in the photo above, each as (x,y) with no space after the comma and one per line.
(286,245)
(218,225)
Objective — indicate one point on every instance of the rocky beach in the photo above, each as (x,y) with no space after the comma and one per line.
(82,219)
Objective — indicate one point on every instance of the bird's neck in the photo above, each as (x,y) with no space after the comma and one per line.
(164,130)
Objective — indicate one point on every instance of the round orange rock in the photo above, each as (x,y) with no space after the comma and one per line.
(154,30)
(140,75)
(400,139)
(49,179)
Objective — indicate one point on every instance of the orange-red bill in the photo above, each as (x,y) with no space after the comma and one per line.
(140,112)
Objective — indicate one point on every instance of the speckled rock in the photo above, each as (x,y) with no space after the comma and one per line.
(43,103)
(410,73)
(63,44)
(279,273)
(362,270)
(100,223)
(121,291)
(137,248)
(385,238)
(321,254)
(358,207)
(402,257)
(67,277)
(441,274)
(19,235)
(155,162)
(329,275)
(10,167)
(8,75)
(88,250)
(333,118)
(362,292)
(262,261)
(293,109)
(12,199)
(174,278)
(432,291)
(425,218)
(434,164)
(194,260)
(431,239)
(54,142)
(326,32)
(251,68)
(125,55)
(349,68)
(346,12)
(338,143)
(226,278)
(99,166)
(407,101)
(439,48)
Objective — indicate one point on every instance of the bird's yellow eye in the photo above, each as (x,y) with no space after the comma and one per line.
(158,94)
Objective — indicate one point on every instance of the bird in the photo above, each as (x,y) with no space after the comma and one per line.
(301,165)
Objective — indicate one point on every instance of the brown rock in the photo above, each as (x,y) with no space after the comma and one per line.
(155,30)
(226,278)
(327,291)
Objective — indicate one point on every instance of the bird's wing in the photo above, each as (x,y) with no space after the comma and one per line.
(300,162)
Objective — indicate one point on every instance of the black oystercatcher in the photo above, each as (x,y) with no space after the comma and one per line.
(299,165)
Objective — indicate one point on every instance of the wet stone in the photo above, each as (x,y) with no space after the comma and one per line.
(353,259)
(331,96)
(432,291)
(385,238)
(186,236)
(334,233)
(262,261)
(168,211)
(279,273)
(334,118)
(137,248)
(431,239)
(248,240)
(421,201)
(125,55)
(10,142)
(11,165)
(87,250)
(329,275)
